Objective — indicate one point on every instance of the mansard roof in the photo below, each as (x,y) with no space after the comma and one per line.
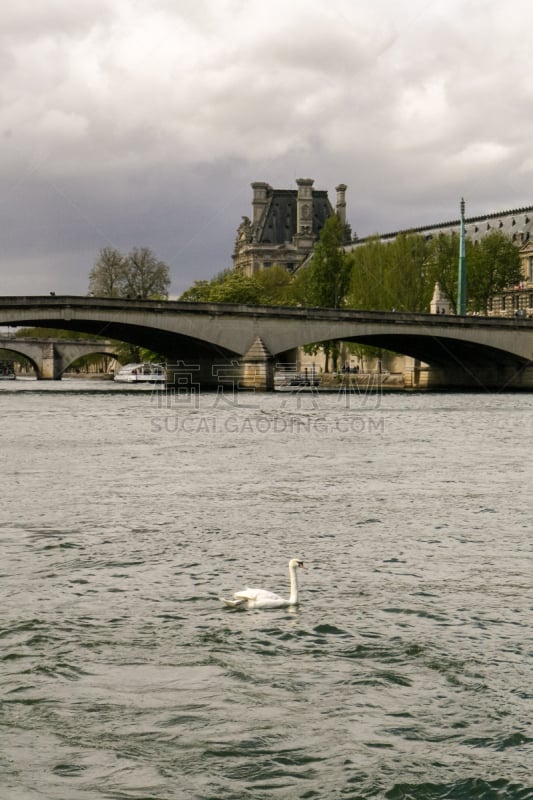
(512,223)
(278,221)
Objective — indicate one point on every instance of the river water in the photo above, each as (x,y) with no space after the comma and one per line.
(405,673)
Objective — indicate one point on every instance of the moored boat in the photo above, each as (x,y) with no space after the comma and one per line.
(141,373)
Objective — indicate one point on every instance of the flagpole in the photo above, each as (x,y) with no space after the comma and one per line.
(461,279)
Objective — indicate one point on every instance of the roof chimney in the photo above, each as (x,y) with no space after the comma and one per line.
(341,202)
(260,200)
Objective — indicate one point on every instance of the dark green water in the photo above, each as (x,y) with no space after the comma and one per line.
(404,674)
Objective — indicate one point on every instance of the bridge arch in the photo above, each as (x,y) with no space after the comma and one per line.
(437,351)
(69,359)
(20,350)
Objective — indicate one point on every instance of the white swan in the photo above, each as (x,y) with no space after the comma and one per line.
(261,598)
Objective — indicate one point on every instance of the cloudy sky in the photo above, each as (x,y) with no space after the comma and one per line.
(131,123)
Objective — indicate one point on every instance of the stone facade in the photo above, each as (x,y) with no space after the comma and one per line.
(285,225)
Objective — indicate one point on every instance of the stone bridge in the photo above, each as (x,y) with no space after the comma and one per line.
(467,352)
(50,358)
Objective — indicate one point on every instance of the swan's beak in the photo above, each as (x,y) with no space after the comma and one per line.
(301,564)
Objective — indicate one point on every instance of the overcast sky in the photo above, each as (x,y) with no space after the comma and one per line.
(131,123)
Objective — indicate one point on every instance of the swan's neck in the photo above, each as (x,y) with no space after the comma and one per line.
(293,599)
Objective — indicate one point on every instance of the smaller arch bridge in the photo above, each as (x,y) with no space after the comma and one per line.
(469,351)
(50,358)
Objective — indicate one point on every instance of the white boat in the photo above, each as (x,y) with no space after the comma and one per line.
(141,373)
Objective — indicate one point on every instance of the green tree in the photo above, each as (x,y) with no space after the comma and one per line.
(236,287)
(330,267)
(300,291)
(138,275)
(203,291)
(269,286)
(396,274)
(326,279)
(410,280)
(444,264)
(274,285)
(369,276)
(199,292)
(492,265)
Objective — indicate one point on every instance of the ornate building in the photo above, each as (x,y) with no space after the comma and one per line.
(285,225)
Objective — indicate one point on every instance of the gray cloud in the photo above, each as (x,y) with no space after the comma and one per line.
(145,125)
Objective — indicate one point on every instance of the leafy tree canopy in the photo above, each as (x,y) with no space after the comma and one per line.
(491,265)
(268,287)
(386,275)
(444,261)
(329,271)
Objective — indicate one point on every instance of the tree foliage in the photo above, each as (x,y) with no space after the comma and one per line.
(444,264)
(402,274)
(197,293)
(329,270)
(275,285)
(491,265)
(370,265)
(268,287)
(229,286)
(138,275)
(236,287)
(324,282)
(386,275)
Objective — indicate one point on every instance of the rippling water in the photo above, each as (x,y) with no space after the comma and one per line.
(406,670)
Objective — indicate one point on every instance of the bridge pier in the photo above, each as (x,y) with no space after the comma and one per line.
(253,371)
(50,364)
(258,368)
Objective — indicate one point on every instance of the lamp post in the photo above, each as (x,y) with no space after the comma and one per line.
(461,279)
